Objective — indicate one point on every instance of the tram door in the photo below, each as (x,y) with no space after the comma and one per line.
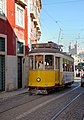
(2,73)
(19,72)
(57,60)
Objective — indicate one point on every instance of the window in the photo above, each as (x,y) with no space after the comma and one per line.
(64,64)
(19,16)
(68,65)
(39,62)
(2,44)
(2,7)
(49,62)
(20,47)
(31,62)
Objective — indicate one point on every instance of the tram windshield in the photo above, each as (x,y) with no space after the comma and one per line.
(39,62)
(49,61)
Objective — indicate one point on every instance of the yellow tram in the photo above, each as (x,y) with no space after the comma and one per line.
(49,67)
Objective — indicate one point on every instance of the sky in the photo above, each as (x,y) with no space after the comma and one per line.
(62,21)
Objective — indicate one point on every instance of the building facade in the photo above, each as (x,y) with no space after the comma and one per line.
(34,22)
(78,55)
(13,44)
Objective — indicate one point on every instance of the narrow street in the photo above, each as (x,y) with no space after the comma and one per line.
(41,53)
(59,105)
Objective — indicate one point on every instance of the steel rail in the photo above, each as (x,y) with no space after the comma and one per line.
(42,104)
(62,110)
(19,105)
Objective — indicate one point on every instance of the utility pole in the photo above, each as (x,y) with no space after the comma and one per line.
(59,36)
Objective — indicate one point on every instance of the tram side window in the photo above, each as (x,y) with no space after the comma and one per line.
(68,65)
(72,66)
(49,62)
(31,62)
(64,64)
(39,62)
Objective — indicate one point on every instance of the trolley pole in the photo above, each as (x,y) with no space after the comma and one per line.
(59,36)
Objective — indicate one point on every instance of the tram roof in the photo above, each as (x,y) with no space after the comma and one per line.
(49,47)
(44,50)
(48,50)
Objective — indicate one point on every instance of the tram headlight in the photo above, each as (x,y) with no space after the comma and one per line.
(38,79)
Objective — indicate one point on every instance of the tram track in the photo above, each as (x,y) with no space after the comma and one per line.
(24,103)
(63,109)
(43,102)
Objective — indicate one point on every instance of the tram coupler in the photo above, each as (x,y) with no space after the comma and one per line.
(36,92)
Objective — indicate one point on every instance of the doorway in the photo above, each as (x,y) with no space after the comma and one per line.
(2,73)
(19,72)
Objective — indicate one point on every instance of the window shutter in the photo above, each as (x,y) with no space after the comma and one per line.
(3,6)
(0,6)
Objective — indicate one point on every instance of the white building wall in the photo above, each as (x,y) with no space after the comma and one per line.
(11,73)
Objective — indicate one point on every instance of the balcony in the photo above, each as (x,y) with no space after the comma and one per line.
(22,2)
(35,15)
(37,23)
(32,11)
(38,26)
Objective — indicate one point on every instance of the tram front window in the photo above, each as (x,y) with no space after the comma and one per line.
(39,62)
(49,62)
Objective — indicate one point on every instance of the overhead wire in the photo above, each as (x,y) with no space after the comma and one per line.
(65,2)
(56,21)
(46,28)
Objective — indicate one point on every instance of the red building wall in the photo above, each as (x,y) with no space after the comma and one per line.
(9,28)
(3,27)
(11,38)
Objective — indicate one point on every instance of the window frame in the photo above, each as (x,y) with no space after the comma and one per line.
(5,37)
(2,43)
(3,15)
(39,64)
(22,41)
(48,67)
(16,15)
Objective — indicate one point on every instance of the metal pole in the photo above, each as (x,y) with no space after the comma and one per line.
(59,36)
